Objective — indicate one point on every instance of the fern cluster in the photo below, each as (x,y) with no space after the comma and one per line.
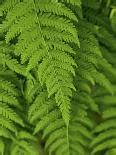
(57,77)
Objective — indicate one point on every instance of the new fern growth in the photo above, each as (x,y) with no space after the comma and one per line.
(57,77)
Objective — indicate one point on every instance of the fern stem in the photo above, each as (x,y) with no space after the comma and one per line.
(68,139)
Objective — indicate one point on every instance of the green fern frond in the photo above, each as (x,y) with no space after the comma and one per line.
(38,22)
(111,151)
(88,64)
(103,34)
(84,98)
(10,114)
(4,122)
(59,138)
(37,103)
(52,127)
(105,131)
(47,117)
(9,87)
(109,113)
(9,94)
(102,80)
(57,77)
(107,100)
(12,64)
(76,145)
(107,67)
(106,145)
(5,133)
(8,5)
(58,23)
(45,121)
(9,99)
(23,147)
(49,106)
(26,135)
(10,76)
(103,136)
(56,8)
(84,86)
(10,106)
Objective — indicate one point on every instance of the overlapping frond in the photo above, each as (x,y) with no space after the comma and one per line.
(57,77)
(24,143)
(105,131)
(46,117)
(105,139)
(9,98)
(88,58)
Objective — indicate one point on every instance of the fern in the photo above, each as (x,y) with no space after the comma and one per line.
(105,131)
(57,77)
(60,139)
(24,143)
(48,56)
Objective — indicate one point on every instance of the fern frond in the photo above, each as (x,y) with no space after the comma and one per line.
(23,147)
(103,136)
(8,5)
(4,122)
(57,77)
(9,93)
(10,106)
(106,38)
(107,100)
(52,127)
(5,133)
(49,106)
(84,98)
(37,103)
(111,151)
(88,58)
(9,87)
(59,138)
(26,135)
(34,50)
(84,86)
(57,9)
(105,131)
(58,23)
(12,64)
(10,114)
(102,80)
(46,117)
(9,99)
(45,121)
(24,142)
(10,76)
(108,144)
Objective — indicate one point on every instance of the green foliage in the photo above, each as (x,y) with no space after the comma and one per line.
(57,77)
